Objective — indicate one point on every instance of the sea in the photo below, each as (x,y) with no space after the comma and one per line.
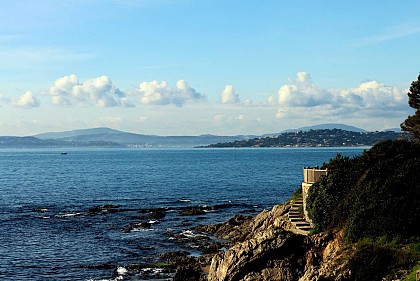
(82,215)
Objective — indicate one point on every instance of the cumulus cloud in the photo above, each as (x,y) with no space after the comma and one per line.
(370,98)
(99,91)
(27,100)
(229,95)
(159,93)
(302,92)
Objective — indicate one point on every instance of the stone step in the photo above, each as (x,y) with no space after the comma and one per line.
(305,228)
(297,219)
(294,209)
(295,214)
(302,224)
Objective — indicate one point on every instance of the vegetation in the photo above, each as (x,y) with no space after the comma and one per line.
(373,259)
(324,137)
(412,123)
(371,195)
(375,199)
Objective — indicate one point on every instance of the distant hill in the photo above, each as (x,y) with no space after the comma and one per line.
(136,140)
(315,138)
(393,130)
(75,133)
(343,127)
(107,137)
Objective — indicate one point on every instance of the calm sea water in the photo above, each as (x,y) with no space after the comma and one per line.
(47,233)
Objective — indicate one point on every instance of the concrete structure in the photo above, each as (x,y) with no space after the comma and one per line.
(310,176)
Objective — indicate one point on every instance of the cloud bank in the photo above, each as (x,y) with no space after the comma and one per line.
(300,102)
(370,98)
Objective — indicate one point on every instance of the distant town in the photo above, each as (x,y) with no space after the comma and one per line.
(315,138)
(337,135)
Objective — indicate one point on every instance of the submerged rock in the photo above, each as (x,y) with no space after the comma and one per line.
(138,226)
(196,210)
(109,208)
(187,268)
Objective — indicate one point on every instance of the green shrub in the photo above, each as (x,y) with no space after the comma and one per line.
(369,262)
(374,194)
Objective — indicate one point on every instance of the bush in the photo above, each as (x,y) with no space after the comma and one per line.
(371,195)
(369,262)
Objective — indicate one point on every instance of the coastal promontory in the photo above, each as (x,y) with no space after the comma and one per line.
(364,214)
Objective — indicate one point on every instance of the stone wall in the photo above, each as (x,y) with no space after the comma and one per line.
(310,176)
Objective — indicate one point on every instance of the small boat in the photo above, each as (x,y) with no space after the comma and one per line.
(63,153)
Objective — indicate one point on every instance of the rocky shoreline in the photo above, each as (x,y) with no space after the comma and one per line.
(267,246)
(264,247)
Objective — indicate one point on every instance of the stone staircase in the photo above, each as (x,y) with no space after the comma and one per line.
(297,217)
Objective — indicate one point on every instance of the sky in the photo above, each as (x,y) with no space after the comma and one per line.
(192,67)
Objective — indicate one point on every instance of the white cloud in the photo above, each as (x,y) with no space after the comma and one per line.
(159,93)
(229,95)
(370,98)
(27,100)
(100,92)
(302,92)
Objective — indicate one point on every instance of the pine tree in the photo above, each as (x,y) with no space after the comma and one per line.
(412,123)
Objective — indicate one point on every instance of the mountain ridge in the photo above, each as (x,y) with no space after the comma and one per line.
(107,130)
(108,137)
(327,126)
(134,139)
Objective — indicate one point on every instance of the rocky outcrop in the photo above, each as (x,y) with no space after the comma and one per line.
(269,247)
(269,255)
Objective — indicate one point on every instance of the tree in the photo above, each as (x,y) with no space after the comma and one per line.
(412,123)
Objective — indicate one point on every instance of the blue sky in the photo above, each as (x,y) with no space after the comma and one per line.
(196,67)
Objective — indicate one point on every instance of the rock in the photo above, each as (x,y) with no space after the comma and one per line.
(189,273)
(209,247)
(269,255)
(187,268)
(196,210)
(157,215)
(104,209)
(136,226)
(154,213)
(176,257)
(231,230)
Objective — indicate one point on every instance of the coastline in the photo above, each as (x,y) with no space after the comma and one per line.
(249,241)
